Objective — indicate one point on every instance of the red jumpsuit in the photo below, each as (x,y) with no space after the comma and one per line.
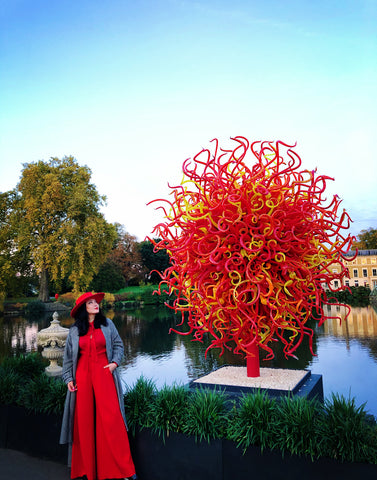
(100,448)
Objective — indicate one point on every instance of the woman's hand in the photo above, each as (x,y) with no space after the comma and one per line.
(71,386)
(111,366)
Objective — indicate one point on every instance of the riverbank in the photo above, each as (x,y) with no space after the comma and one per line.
(128,297)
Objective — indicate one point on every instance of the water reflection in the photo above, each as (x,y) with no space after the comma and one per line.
(361,323)
(345,352)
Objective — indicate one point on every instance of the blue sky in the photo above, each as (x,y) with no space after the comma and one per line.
(132,89)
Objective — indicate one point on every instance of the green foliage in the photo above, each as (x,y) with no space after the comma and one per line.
(108,279)
(207,415)
(17,276)
(151,260)
(10,382)
(43,394)
(367,239)
(253,422)
(142,293)
(344,432)
(26,366)
(147,296)
(138,403)
(56,219)
(23,382)
(338,429)
(357,296)
(168,411)
(296,425)
(35,308)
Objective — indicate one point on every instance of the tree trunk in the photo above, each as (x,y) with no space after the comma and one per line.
(43,286)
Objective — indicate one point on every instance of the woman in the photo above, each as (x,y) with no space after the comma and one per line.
(94,420)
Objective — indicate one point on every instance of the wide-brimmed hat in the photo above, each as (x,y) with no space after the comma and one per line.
(84,298)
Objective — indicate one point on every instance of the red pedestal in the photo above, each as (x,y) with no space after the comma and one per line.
(252,361)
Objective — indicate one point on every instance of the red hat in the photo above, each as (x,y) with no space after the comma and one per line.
(84,298)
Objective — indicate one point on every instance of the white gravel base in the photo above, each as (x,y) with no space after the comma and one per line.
(270,378)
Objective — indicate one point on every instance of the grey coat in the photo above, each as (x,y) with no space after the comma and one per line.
(114,350)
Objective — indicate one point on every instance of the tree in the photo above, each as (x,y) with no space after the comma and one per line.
(57,217)
(125,253)
(152,260)
(109,278)
(16,273)
(367,239)
(6,201)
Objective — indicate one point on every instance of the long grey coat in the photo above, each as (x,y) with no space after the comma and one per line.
(114,350)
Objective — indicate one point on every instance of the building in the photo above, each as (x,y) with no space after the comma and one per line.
(362,270)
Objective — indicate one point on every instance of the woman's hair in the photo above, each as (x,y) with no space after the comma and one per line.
(82,320)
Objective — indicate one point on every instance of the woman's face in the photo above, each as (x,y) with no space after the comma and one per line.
(92,307)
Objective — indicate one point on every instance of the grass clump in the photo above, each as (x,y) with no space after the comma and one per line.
(10,382)
(43,394)
(297,421)
(207,415)
(23,382)
(345,433)
(26,366)
(254,421)
(168,411)
(138,403)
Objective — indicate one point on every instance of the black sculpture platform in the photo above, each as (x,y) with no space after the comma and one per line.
(276,382)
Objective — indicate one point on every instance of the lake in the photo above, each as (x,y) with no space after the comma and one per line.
(345,352)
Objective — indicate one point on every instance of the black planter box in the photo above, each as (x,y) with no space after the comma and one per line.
(35,434)
(178,457)
(272,465)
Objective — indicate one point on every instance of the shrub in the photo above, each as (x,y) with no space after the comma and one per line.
(254,421)
(20,306)
(355,296)
(121,297)
(147,296)
(43,394)
(26,366)
(118,306)
(35,308)
(109,298)
(68,299)
(132,297)
(207,415)
(23,382)
(10,382)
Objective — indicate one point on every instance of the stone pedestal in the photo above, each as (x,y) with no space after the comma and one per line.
(276,382)
(53,339)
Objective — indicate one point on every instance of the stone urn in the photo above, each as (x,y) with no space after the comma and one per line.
(52,339)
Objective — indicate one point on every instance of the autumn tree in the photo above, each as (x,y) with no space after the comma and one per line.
(126,255)
(16,272)
(367,239)
(6,240)
(57,216)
